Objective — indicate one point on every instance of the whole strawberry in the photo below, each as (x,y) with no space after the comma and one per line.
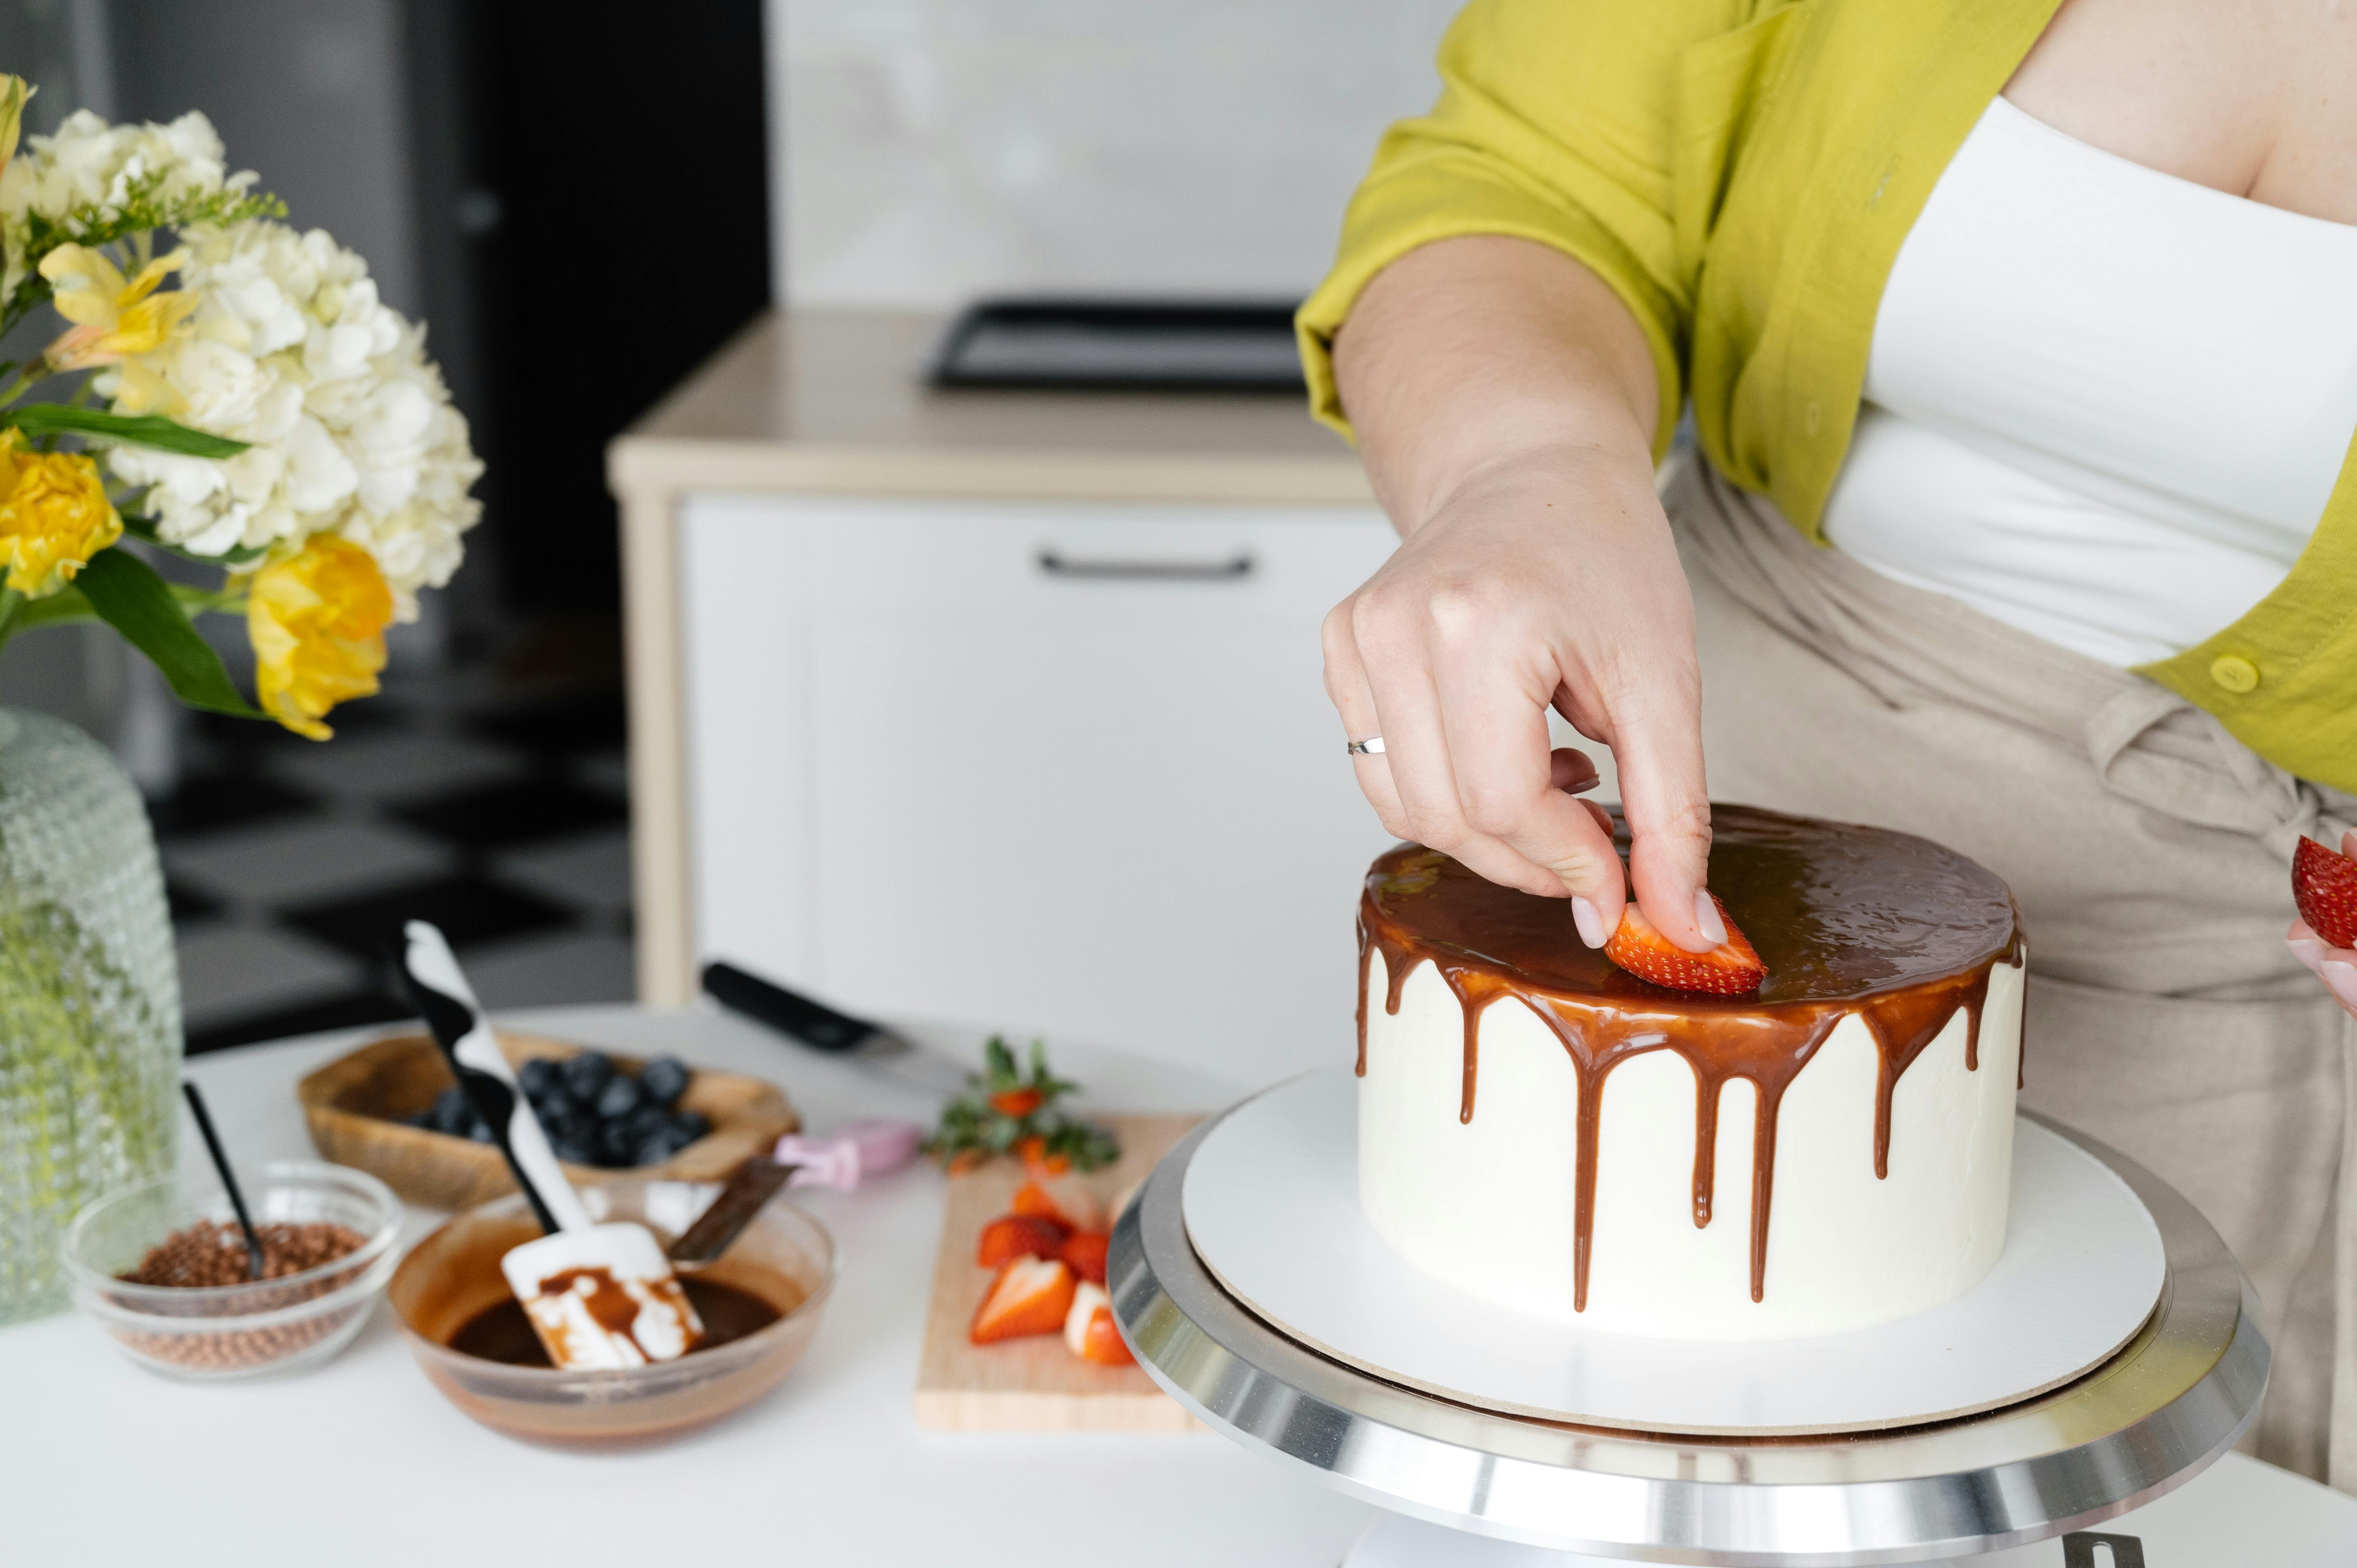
(2324,885)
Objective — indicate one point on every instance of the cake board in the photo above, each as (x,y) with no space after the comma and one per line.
(2175,1397)
(1272,1208)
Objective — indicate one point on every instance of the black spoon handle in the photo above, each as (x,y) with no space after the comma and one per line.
(221,1164)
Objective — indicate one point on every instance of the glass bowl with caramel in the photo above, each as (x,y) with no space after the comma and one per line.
(163,1267)
(760,1302)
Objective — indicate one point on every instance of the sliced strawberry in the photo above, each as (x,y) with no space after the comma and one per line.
(1730,969)
(2324,885)
(1013,1236)
(1103,1344)
(1016,1103)
(1089,1332)
(1060,1198)
(1084,1250)
(1038,1163)
(1030,1295)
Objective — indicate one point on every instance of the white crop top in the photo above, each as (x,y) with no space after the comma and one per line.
(2105,406)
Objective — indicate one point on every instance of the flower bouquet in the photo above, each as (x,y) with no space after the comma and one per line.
(225,390)
(265,415)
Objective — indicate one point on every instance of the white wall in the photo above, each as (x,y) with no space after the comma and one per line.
(937,149)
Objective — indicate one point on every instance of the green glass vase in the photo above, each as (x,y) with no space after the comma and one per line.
(90,998)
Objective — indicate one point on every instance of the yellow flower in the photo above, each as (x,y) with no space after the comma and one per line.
(112,317)
(54,516)
(318,622)
(12,94)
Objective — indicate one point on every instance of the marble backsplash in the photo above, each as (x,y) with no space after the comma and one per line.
(934,150)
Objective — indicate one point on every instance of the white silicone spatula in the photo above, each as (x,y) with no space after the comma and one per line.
(598,1296)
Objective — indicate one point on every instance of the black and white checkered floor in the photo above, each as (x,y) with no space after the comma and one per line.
(290,863)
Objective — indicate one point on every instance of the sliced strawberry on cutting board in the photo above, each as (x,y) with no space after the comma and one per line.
(1030,1295)
(1084,1253)
(1730,969)
(1013,1236)
(1088,1330)
(2324,885)
(1063,1199)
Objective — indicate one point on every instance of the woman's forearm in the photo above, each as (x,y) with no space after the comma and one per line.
(1479,351)
(1505,401)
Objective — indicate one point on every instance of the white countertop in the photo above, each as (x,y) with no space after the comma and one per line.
(361,1463)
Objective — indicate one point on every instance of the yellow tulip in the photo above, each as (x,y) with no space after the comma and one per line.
(54,516)
(12,94)
(112,316)
(318,622)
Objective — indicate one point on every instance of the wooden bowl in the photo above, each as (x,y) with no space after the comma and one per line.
(354,1103)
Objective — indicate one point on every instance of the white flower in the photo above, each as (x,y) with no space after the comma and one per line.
(350,427)
(90,163)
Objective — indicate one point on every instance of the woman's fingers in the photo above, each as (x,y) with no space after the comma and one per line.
(1411,782)
(1657,746)
(1346,688)
(1494,714)
(2337,967)
(1570,770)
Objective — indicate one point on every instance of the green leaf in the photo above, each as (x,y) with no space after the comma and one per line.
(129,597)
(39,419)
(143,529)
(62,608)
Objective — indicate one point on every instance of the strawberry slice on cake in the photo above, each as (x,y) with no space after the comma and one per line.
(1730,969)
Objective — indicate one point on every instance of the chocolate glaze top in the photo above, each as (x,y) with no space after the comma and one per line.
(1838,912)
(1847,920)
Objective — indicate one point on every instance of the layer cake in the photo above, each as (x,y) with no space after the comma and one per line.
(1548,1131)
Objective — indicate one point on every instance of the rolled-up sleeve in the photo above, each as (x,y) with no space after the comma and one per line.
(1556,122)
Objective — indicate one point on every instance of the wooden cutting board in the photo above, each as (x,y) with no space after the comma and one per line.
(1034,1384)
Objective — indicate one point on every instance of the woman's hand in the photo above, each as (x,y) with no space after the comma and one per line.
(1504,401)
(1548,579)
(2337,967)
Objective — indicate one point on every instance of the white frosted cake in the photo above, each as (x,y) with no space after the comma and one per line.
(1548,1131)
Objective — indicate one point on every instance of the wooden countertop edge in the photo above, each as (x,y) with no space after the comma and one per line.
(652,467)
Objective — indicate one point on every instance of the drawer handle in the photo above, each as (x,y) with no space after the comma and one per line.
(1228,571)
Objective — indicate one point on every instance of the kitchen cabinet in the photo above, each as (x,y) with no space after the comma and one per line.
(997,706)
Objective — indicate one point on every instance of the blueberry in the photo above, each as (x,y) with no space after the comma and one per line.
(615,1144)
(537,1077)
(585,1074)
(664,1079)
(655,1151)
(647,1121)
(619,1098)
(687,1126)
(479,1130)
(574,1151)
(451,1112)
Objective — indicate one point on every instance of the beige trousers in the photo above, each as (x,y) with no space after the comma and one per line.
(2150,851)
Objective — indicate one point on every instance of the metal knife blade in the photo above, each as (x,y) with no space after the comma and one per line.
(871,1047)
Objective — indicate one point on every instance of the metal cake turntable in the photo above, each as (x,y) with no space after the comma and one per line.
(2145,1420)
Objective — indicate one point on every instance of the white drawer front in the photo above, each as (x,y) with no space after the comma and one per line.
(1062,765)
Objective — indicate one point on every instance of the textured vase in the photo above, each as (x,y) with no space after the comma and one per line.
(90,998)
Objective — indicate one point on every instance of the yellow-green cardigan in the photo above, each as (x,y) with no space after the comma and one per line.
(1741,173)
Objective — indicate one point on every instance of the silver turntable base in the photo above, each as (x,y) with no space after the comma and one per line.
(2176,1397)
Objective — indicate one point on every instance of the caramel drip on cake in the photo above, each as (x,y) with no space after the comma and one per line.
(1847,920)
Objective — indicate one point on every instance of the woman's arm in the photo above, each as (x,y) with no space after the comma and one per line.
(1504,401)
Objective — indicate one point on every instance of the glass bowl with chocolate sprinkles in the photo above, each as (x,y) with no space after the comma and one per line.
(163,1267)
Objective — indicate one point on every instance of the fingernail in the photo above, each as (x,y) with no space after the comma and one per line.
(1707,919)
(1591,923)
(2343,978)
